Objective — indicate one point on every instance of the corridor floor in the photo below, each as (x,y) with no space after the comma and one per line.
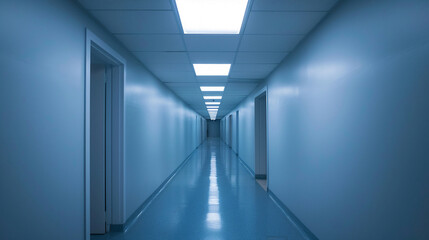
(212,197)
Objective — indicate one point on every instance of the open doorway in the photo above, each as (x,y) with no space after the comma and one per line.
(261,163)
(230,131)
(104,131)
(202,129)
(236,133)
(100,147)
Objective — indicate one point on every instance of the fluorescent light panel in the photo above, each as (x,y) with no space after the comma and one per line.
(212,69)
(212,89)
(211,16)
(212,103)
(212,97)
(212,106)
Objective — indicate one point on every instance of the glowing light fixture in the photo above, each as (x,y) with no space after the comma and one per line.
(211,16)
(212,97)
(212,69)
(212,103)
(212,89)
(212,106)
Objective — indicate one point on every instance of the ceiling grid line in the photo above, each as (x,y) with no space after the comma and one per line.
(152,30)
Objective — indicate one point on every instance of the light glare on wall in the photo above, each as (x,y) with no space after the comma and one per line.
(211,16)
(212,69)
(212,89)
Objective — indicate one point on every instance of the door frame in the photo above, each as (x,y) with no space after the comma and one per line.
(230,130)
(115,175)
(237,142)
(258,95)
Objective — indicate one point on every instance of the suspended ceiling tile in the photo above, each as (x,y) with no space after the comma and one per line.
(244,80)
(293,5)
(173,77)
(142,42)
(210,42)
(282,22)
(126,4)
(260,57)
(162,57)
(251,75)
(212,79)
(240,88)
(269,43)
(258,71)
(183,88)
(170,67)
(138,21)
(233,98)
(191,98)
(235,101)
(253,67)
(212,57)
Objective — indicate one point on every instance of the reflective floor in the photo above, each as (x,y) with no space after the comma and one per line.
(212,197)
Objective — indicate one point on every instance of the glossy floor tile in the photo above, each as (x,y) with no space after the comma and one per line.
(212,197)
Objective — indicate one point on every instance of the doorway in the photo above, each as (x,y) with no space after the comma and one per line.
(203,137)
(104,131)
(230,131)
(236,133)
(99,142)
(261,163)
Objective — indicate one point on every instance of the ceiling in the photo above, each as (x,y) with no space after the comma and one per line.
(152,31)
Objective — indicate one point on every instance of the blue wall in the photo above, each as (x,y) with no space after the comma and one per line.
(42,59)
(348,115)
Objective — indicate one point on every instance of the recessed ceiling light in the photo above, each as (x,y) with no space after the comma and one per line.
(212,106)
(212,103)
(212,69)
(212,97)
(212,89)
(211,16)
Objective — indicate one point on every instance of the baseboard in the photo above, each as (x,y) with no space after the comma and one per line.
(289,214)
(135,216)
(261,176)
(247,167)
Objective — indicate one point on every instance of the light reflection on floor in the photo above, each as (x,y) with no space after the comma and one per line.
(214,198)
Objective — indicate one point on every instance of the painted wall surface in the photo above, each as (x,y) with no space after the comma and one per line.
(42,59)
(246,124)
(348,123)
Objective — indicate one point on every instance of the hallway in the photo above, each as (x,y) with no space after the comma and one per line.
(215,197)
(214,119)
